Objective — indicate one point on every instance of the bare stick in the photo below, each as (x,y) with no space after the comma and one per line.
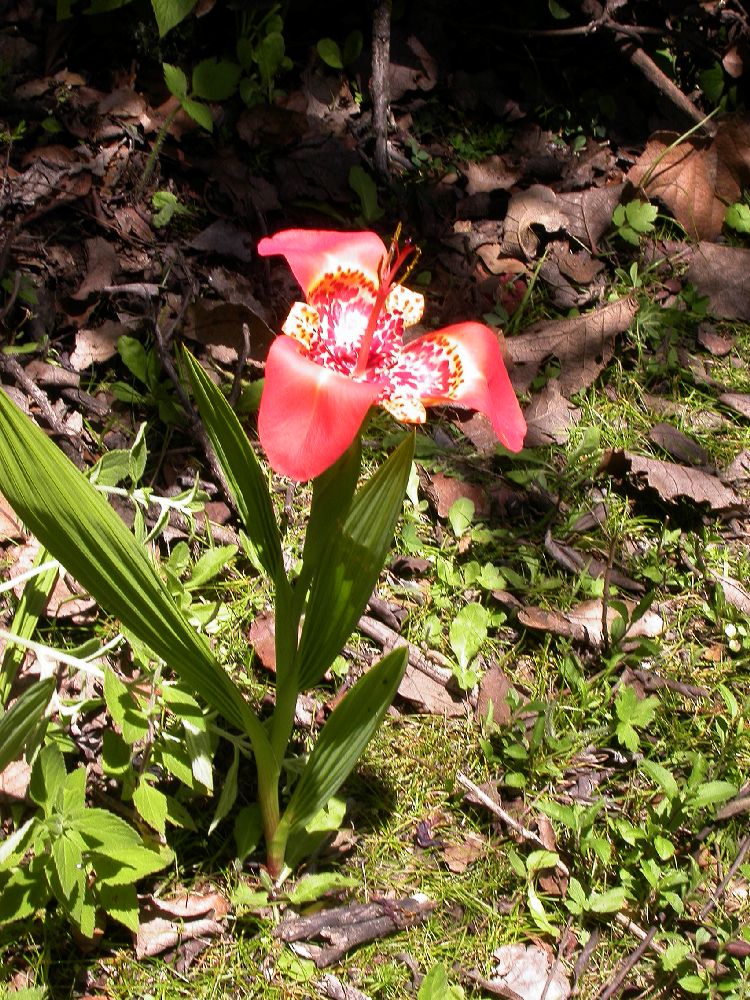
(558,958)
(721,887)
(498,810)
(630,962)
(242,354)
(379,84)
(642,61)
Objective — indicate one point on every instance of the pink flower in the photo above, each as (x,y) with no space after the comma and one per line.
(342,352)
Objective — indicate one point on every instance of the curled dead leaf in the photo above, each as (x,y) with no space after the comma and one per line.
(673,482)
(583,345)
(537,206)
(458,857)
(526,969)
(696,178)
(549,417)
(584,622)
(720,273)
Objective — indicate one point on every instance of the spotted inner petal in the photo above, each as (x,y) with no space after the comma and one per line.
(406,409)
(406,302)
(303,324)
(429,368)
(332,323)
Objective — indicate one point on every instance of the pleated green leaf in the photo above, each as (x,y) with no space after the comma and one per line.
(77,525)
(332,496)
(22,719)
(350,566)
(244,476)
(343,738)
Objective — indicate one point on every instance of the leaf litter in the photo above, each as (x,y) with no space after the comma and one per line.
(558,216)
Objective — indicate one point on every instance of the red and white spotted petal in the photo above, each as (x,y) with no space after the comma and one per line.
(406,409)
(463,364)
(312,253)
(303,324)
(406,302)
(309,415)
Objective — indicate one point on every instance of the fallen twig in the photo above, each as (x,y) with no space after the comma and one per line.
(722,886)
(498,810)
(628,965)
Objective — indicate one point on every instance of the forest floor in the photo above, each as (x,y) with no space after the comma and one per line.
(558,800)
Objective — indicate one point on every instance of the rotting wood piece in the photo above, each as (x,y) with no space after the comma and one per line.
(346,927)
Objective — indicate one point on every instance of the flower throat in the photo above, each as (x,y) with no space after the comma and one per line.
(388,269)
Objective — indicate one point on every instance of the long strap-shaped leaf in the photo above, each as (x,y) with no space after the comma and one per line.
(22,718)
(343,738)
(349,569)
(80,529)
(242,472)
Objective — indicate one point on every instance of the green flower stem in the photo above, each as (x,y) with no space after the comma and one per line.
(288,612)
(276,849)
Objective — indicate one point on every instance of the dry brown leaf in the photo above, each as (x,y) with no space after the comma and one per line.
(458,857)
(429,695)
(583,623)
(478,429)
(678,445)
(447,489)
(589,212)
(101,267)
(94,346)
(734,593)
(715,343)
(220,324)
(537,206)
(223,238)
(52,174)
(409,566)
(575,562)
(737,401)
(494,688)
(14,781)
(332,987)
(674,482)
(583,346)
(189,905)
(738,471)
(158,934)
(10,526)
(697,178)
(549,417)
(492,174)
(525,969)
(168,923)
(262,636)
(720,273)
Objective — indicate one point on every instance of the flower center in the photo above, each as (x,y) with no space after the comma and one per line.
(389,267)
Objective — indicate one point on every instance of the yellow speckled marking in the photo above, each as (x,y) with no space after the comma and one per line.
(406,302)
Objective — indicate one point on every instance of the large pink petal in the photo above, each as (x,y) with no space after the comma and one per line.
(309,415)
(311,253)
(463,364)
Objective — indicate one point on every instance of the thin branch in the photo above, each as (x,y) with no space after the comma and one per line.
(628,965)
(379,84)
(498,810)
(722,886)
